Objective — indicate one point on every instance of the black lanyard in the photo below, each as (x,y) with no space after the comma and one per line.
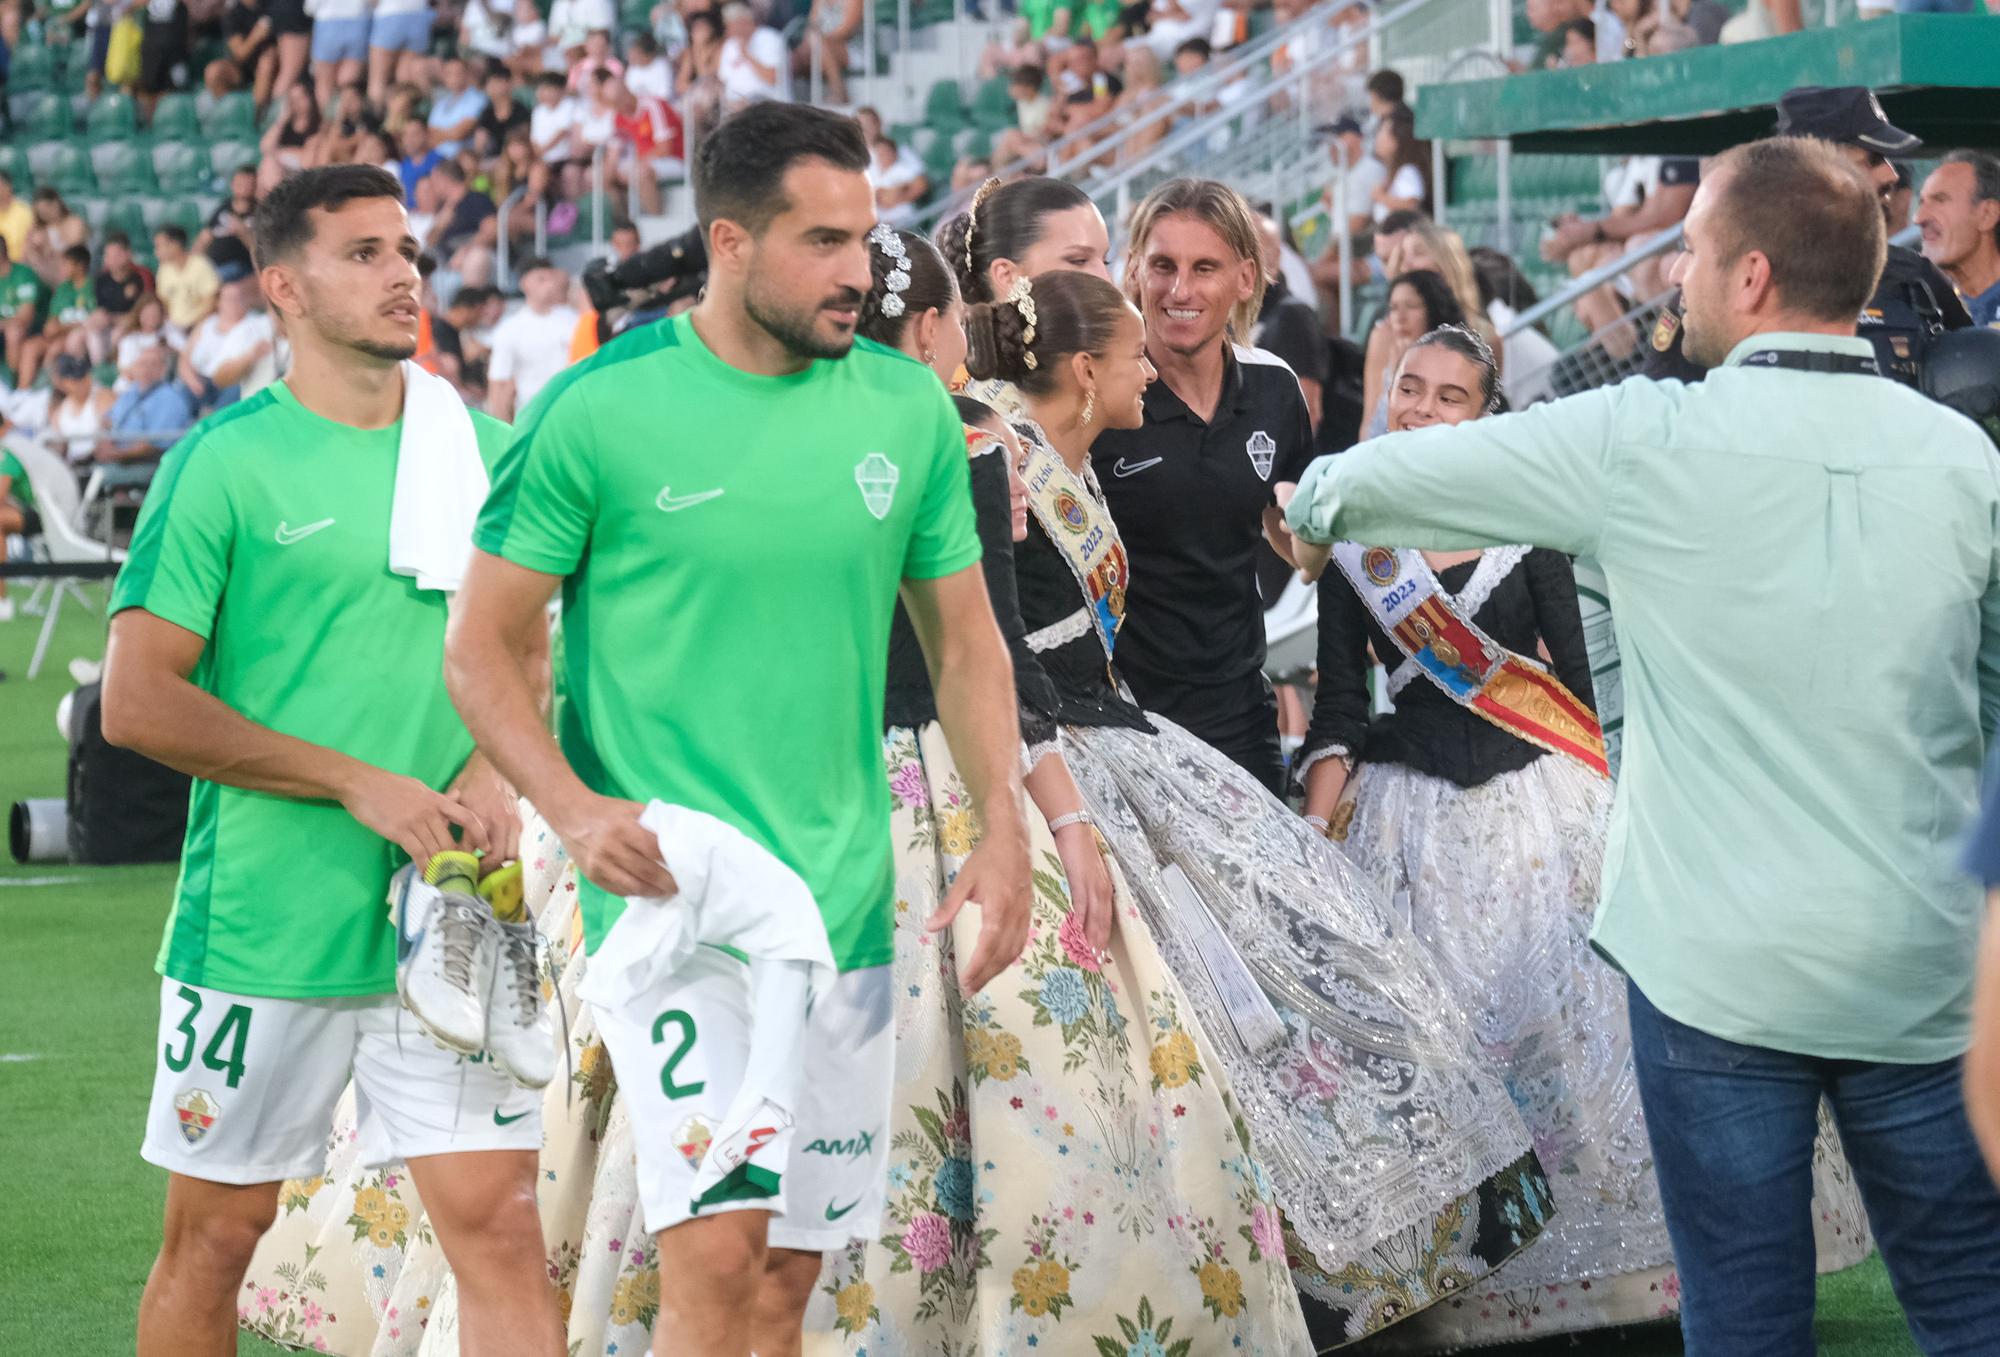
(1844,364)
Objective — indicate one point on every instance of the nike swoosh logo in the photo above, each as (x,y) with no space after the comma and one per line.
(287,535)
(670,503)
(499,1120)
(1123,468)
(832,1214)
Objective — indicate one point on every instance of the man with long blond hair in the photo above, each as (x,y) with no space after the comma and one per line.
(1196,489)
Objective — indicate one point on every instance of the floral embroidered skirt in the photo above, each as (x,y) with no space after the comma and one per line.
(1068,1170)
(1404,1170)
(1500,883)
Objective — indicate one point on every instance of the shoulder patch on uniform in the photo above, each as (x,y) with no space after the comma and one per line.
(1665,328)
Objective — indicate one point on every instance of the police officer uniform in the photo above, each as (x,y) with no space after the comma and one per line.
(1189,496)
(1914,300)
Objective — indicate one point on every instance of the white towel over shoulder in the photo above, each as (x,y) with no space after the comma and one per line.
(441,484)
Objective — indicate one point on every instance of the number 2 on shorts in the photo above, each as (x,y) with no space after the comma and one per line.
(684,1020)
(235,1024)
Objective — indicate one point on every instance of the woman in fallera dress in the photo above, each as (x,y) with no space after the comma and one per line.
(1403,1169)
(1479,811)
(1066,1160)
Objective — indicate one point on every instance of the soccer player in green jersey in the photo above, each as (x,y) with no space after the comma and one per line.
(262,644)
(730,501)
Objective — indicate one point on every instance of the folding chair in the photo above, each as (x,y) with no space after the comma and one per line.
(61,541)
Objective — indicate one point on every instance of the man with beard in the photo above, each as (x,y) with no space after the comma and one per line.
(262,644)
(1804,731)
(731,500)
(1197,487)
(1912,296)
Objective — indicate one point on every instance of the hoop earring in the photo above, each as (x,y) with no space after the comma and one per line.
(1089,407)
(930,357)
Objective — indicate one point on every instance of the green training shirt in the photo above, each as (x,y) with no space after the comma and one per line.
(17,479)
(267,534)
(732,546)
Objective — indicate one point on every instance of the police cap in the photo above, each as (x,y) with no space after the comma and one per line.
(1847,114)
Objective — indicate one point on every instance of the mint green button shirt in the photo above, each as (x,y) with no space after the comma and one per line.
(1804,577)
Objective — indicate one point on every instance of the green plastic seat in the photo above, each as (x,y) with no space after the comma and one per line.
(971,141)
(122,167)
(33,67)
(181,212)
(179,166)
(944,108)
(225,157)
(63,166)
(112,117)
(993,107)
(233,117)
(14,162)
(174,118)
(128,216)
(40,117)
(93,208)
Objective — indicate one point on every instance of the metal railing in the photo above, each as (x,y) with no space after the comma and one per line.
(1110,134)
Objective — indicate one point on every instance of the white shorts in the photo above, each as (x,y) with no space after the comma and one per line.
(679,1059)
(244,1087)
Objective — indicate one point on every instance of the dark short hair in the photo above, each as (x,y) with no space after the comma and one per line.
(284,216)
(117,238)
(1004,221)
(172,231)
(1401,220)
(531,263)
(1803,205)
(1074,313)
(928,284)
(1386,85)
(975,414)
(1028,74)
(1584,28)
(1441,304)
(551,78)
(243,169)
(496,71)
(739,172)
(1201,47)
(451,170)
(472,294)
(77,254)
(645,43)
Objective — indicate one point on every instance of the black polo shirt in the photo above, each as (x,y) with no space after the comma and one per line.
(1189,500)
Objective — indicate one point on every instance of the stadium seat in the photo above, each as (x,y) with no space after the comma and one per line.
(174,118)
(14,161)
(122,167)
(76,64)
(973,141)
(944,107)
(918,139)
(182,212)
(39,116)
(128,216)
(225,156)
(180,167)
(112,117)
(233,117)
(33,67)
(993,107)
(62,166)
(93,208)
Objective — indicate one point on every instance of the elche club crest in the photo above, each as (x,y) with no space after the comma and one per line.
(877,477)
(196,1112)
(692,1138)
(1263,450)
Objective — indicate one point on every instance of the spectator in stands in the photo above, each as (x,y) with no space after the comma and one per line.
(231,354)
(1287,325)
(970,172)
(571,21)
(1145,86)
(372,148)
(1419,302)
(552,126)
(18,517)
(501,117)
(250,53)
(17,219)
(455,108)
(461,359)
(1385,91)
(150,326)
(597,59)
(79,409)
(1550,18)
(163,45)
(55,230)
(1579,43)
(483,29)
(1705,17)
(1028,86)
(650,145)
(697,72)
(121,284)
(150,414)
(830,26)
(1406,182)
(340,49)
(1959,215)
(340,135)
(404,106)
(532,345)
(528,41)
(648,73)
(1357,169)
(1648,195)
(510,171)
(753,63)
(24,301)
(70,308)
(291,28)
(1170,23)
(1527,371)
(288,145)
(417,159)
(399,33)
(227,237)
(467,226)
(186,281)
(1089,90)
(900,183)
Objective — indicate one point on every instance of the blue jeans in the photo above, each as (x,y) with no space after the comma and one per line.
(1732,1128)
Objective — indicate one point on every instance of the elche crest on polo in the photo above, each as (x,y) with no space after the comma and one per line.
(877,477)
(1263,451)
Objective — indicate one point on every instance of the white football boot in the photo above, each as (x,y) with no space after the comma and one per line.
(519,1034)
(446,943)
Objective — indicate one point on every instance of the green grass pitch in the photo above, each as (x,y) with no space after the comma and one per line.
(79,1210)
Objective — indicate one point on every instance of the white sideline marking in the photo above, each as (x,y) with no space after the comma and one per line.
(39,880)
(17,1057)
